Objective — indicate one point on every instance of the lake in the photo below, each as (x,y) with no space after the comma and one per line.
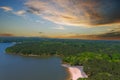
(15,67)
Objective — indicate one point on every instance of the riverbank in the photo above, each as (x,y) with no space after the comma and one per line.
(76,72)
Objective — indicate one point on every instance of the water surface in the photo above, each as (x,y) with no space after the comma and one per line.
(14,67)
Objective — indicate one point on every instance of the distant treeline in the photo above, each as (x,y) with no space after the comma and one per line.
(65,47)
(21,39)
(101,59)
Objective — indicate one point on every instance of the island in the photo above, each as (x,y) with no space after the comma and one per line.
(98,60)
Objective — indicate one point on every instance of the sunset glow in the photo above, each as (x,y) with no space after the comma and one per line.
(76,19)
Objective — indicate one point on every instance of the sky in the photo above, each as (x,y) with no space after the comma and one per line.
(76,19)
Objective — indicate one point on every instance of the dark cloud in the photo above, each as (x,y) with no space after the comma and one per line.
(40,32)
(111,34)
(77,12)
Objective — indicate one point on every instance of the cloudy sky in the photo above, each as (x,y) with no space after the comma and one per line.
(83,19)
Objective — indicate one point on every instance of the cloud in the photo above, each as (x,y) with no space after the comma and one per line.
(113,34)
(40,32)
(39,21)
(77,12)
(6,34)
(6,8)
(104,36)
(20,12)
(59,28)
(78,36)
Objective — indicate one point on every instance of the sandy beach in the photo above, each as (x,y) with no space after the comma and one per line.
(76,72)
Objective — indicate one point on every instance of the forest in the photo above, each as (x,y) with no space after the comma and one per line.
(101,59)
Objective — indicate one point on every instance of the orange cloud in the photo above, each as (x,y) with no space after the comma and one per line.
(6,34)
(104,36)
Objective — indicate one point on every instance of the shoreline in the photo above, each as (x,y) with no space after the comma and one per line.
(75,72)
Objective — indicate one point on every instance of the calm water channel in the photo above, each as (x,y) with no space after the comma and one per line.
(14,67)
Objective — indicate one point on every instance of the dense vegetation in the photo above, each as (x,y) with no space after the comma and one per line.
(97,66)
(101,59)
